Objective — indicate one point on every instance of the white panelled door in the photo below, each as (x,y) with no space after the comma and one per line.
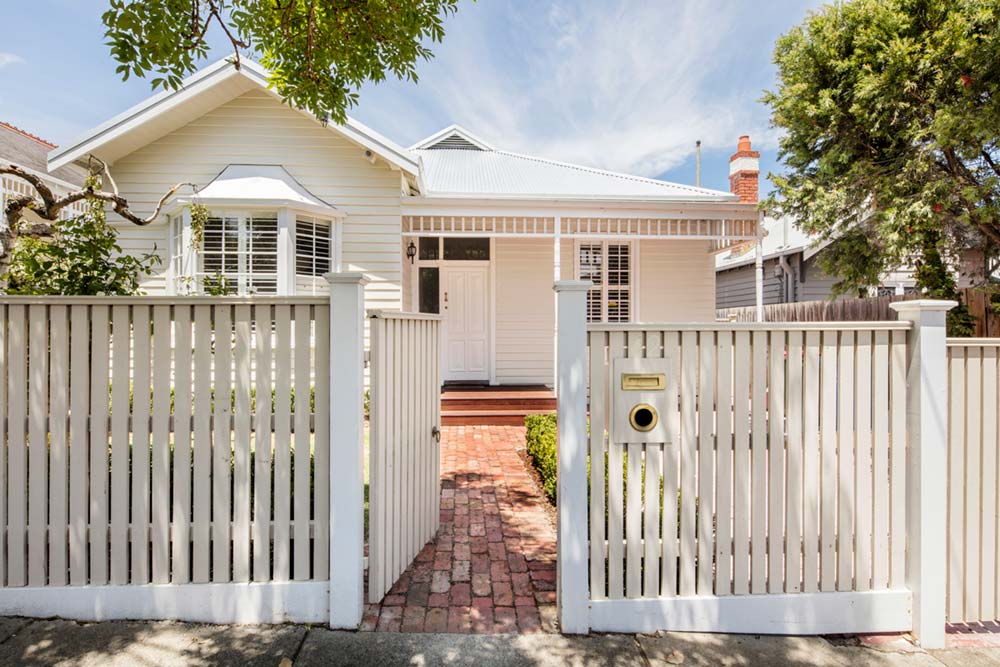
(465,305)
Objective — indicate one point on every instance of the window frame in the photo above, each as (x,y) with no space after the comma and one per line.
(604,288)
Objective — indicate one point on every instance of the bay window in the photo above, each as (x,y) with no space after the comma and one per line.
(265,234)
(251,252)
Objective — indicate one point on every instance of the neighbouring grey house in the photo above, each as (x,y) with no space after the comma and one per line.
(791,270)
(30,152)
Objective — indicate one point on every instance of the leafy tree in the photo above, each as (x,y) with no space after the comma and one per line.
(82,257)
(318,51)
(891,118)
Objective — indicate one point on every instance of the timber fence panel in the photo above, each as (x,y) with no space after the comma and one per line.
(786,472)
(140,439)
(973,441)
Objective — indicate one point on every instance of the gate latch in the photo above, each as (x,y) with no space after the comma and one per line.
(436,432)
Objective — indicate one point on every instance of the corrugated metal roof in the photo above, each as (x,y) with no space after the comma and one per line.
(500,174)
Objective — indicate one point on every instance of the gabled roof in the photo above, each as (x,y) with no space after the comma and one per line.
(496,174)
(454,137)
(259,185)
(29,152)
(198,94)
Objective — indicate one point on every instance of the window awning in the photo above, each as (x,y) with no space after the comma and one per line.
(259,185)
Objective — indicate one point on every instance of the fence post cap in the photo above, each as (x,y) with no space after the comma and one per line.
(923,305)
(572,285)
(347,278)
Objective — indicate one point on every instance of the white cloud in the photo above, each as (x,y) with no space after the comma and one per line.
(625,84)
(9,59)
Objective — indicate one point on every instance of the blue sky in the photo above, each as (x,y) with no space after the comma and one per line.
(627,85)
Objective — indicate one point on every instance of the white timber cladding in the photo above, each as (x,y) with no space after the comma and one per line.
(676,281)
(973,588)
(185,384)
(525,311)
(255,128)
(781,475)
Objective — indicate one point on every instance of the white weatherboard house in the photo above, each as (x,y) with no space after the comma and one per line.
(452,225)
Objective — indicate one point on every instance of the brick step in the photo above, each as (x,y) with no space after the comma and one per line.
(487,417)
(497,403)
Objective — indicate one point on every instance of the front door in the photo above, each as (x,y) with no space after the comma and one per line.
(464,301)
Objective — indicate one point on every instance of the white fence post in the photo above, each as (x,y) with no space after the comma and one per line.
(926,466)
(347,386)
(571,360)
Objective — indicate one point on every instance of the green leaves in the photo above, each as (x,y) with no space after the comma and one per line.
(83,258)
(319,52)
(891,119)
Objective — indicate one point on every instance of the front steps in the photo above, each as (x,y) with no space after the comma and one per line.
(468,405)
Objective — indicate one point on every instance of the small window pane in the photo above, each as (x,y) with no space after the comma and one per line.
(466,249)
(430,290)
(429,248)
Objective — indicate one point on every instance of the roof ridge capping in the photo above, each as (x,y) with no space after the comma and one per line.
(29,135)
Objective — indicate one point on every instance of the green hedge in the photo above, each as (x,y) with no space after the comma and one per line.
(541,441)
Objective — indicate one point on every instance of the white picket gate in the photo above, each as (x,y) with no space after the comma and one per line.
(973,479)
(404,458)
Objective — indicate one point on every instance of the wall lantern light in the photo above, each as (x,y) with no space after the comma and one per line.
(411,251)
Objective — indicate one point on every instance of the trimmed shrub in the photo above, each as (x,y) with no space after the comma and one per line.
(541,443)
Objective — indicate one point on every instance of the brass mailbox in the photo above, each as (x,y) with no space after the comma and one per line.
(639,400)
(644,381)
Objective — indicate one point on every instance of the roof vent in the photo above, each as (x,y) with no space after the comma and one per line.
(453,138)
(454,141)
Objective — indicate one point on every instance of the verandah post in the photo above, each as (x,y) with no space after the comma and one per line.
(347,386)
(571,362)
(926,463)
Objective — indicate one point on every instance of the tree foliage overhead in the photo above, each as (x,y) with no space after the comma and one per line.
(891,119)
(319,52)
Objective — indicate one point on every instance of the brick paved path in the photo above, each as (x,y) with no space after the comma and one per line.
(492,566)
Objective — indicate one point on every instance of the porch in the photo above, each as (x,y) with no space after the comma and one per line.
(488,270)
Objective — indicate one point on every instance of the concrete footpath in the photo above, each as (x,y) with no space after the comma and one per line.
(27,643)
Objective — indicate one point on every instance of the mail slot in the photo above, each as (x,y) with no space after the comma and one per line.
(644,381)
(639,403)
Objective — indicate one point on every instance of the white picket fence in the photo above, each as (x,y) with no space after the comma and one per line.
(172,457)
(973,492)
(792,491)
(404,457)
(782,472)
(164,443)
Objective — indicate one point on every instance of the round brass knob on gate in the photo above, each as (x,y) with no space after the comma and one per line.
(643,417)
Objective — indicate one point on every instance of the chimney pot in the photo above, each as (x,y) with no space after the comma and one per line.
(744,170)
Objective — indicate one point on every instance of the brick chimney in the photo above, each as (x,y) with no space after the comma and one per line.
(744,170)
